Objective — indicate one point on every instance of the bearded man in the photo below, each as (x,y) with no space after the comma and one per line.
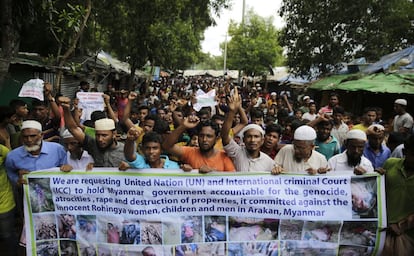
(35,154)
(300,156)
(105,150)
(352,158)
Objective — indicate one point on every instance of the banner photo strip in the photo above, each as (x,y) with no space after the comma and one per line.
(107,212)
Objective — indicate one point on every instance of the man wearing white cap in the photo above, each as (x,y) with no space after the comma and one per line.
(247,158)
(352,158)
(300,157)
(374,149)
(35,154)
(403,121)
(104,149)
(77,157)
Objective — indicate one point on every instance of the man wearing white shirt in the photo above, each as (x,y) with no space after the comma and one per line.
(352,158)
(300,157)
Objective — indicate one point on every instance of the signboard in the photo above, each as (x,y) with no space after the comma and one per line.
(108,212)
(89,102)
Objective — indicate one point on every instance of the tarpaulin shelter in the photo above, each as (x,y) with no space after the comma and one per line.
(378,84)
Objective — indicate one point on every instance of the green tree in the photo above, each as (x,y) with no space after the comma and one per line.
(254,45)
(15,16)
(166,33)
(321,34)
(66,26)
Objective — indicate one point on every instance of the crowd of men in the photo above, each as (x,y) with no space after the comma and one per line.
(247,130)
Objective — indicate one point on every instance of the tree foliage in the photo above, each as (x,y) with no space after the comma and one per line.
(167,33)
(254,45)
(321,34)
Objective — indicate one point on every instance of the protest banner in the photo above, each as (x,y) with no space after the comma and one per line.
(89,102)
(107,212)
(33,89)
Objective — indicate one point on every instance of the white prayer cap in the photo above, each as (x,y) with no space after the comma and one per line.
(66,134)
(304,132)
(252,126)
(104,124)
(356,135)
(375,129)
(306,97)
(401,102)
(31,124)
(273,94)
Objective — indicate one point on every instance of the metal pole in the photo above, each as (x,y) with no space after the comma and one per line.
(225,55)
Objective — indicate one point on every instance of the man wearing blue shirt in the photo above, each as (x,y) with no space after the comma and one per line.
(35,154)
(374,149)
(151,148)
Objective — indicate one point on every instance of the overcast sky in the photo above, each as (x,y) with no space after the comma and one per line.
(215,35)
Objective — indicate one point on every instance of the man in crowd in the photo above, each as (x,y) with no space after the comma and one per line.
(105,149)
(247,158)
(205,158)
(374,149)
(34,154)
(352,158)
(399,191)
(77,157)
(403,121)
(368,118)
(20,113)
(339,129)
(325,143)
(300,157)
(333,102)
(151,148)
(271,144)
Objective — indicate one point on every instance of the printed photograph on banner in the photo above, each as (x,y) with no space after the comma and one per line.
(291,229)
(109,229)
(118,250)
(359,233)
(254,248)
(364,197)
(47,248)
(354,250)
(45,226)
(215,228)
(311,248)
(323,231)
(151,232)
(186,250)
(171,232)
(147,250)
(103,250)
(41,199)
(87,249)
(87,228)
(67,226)
(208,249)
(131,232)
(192,229)
(68,247)
(252,229)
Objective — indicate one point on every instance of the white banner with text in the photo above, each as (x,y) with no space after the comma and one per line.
(108,212)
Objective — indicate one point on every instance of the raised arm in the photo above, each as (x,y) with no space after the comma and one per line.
(127,111)
(170,141)
(243,120)
(129,147)
(52,103)
(109,110)
(234,105)
(69,121)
